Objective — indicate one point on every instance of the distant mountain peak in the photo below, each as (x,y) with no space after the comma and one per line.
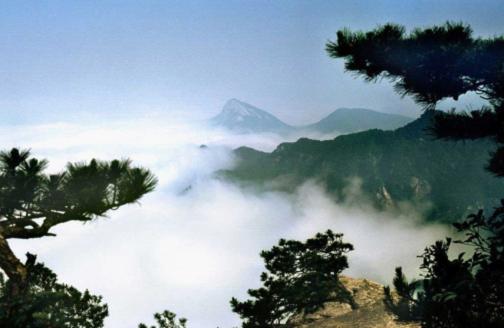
(242,109)
(241,117)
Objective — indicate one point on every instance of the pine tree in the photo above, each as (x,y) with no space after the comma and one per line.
(433,64)
(465,291)
(430,65)
(166,319)
(301,277)
(33,202)
(48,303)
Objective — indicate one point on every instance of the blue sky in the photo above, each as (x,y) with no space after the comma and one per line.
(65,59)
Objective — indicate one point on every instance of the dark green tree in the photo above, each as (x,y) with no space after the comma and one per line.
(430,65)
(166,319)
(47,303)
(433,64)
(33,202)
(300,278)
(465,291)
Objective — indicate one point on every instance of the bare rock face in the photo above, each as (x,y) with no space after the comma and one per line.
(421,188)
(371,312)
(384,197)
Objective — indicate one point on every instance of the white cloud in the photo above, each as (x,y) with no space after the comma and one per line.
(191,251)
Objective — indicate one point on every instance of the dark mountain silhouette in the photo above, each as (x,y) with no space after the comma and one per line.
(404,165)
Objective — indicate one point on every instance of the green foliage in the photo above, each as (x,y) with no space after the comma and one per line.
(31,204)
(432,64)
(300,277)
(465,291)
(429,64)
(47,303)
(82,192)
(410,164)
(408,295)
(166,319)
(486,122)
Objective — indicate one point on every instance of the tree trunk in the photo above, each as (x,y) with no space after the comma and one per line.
(13,268)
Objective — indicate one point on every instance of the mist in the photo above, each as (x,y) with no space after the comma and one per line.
(194,242)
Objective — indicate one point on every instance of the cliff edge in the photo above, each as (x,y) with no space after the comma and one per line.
(371,312)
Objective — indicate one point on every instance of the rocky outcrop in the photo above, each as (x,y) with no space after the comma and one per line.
(371,312)
(384,199)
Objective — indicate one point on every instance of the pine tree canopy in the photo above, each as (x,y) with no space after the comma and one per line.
(48,303)
(300,278)
(166,319)
(433,64)
(32,202)
(430,64)
(464,291)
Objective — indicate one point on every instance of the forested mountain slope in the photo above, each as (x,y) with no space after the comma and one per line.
(406,165)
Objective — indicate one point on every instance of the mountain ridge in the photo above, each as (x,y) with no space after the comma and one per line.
(241,117)
(447,178)
(348,120)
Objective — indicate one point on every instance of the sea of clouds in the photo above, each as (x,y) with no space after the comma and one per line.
(194,242)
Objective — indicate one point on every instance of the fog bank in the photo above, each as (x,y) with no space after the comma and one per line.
(195,241)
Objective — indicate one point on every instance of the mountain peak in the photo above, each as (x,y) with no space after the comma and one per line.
(241,117)
(241,109)
(234,101)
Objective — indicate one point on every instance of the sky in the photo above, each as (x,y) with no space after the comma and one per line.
(64,60)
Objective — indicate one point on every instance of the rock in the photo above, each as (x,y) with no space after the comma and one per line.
(384,198)
(371,312)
